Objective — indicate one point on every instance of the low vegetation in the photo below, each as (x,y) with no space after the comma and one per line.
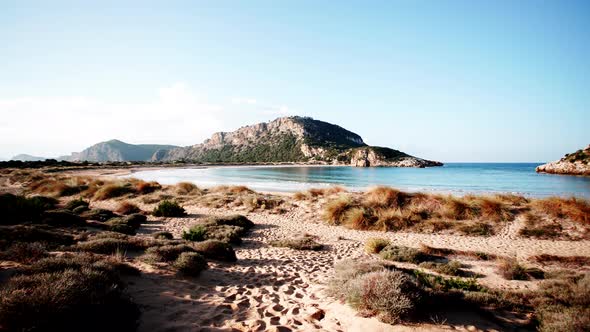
(511,269)
(403,254)
(67,294)
(190,263)
(228,229)
(169,209)
(305,242)
(387,209)
(127,208)
(376,245)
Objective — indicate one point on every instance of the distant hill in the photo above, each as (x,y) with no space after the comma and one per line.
(115,150)
(27,157)
(292,139)
(577,163)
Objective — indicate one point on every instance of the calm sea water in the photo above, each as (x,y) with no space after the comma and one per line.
(454,178)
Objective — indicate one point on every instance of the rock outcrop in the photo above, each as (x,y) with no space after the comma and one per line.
(378,157)
(292,139)
(577,163)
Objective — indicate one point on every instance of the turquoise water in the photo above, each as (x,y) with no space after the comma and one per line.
(454,178)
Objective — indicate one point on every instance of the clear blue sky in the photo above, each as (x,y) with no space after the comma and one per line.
(445,80)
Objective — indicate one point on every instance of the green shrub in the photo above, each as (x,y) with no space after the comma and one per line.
(225,233)
(190,263)
(301,243)
(403,254)
(213,249)
(440,283)
(375,245)
(195,233)
(168,253)
(169,209)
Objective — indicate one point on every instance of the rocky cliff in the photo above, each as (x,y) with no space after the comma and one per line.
(292,139)
(577,163)
(115,150)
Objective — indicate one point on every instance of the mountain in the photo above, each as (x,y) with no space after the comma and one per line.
(115,150)
(292,139)
(27,157)
(577,163)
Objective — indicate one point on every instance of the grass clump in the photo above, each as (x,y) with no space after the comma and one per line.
(190,263)
(217,250)
(24,252)
(335,210)
(564,305)
(573,208)
(403,254)
(57,296)
(511,269)
(451,268)
(305,242)
(168,208)
(187,188)
(109,191)
(105,246)
(374,290)
(20,209)
(565,261)
(46,235)
(127,208)
(163,236)
(388,294)
(375,245)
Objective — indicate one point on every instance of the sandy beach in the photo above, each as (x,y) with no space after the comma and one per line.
(283,289)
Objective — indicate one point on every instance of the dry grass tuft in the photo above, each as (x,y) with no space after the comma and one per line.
(127,208)
(511,269)
(187,188)
(335,210)
(571,208)
(565,261)
(375,245)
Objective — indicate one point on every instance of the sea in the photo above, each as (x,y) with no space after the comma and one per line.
(452,178)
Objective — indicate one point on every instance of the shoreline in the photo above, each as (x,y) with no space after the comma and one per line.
(284,187)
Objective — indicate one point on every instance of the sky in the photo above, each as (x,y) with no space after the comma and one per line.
(464,81)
